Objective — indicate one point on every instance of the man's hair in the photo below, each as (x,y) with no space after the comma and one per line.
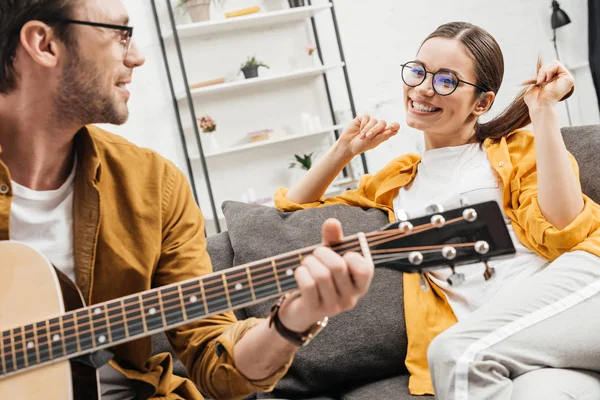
(14,14)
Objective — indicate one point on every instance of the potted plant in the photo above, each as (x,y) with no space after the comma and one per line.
(296,3)
(199,10)
(250,67)
(209,126)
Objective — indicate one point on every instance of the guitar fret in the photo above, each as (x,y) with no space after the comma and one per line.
(238,287)
(263,281)
(37,344)
(76,335)
(152,311)
(184,313)
(124,318)
(226,290)
(7,365)
(13,358)
(55,333)
(115,321)
(142,313)
(108,325)
(161,308)
(133,316)
(92,331)
(172,305)
(193,299)
(201,284)
(250,284)
(30,345)
(99,327)
(276,273)
(214,293)
(20,356)
(43,341)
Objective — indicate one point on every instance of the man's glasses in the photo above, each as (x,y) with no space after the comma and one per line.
(126,31)
(444,82)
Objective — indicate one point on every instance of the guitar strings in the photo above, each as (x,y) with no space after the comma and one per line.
(381,237)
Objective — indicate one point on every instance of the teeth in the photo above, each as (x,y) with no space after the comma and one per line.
(421,107)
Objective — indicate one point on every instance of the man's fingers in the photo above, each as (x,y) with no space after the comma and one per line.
(332,232)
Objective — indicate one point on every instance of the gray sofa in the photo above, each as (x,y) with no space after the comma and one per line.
(360,355)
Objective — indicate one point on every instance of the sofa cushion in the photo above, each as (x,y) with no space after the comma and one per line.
(367,343)
(584,143)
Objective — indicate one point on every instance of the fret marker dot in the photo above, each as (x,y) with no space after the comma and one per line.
(289,272)
(193,299)
(152,311)
(56,338)
(97,311)
(30,345)
(101,339)
(238,286)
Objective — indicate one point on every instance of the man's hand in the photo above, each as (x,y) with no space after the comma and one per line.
(328,283)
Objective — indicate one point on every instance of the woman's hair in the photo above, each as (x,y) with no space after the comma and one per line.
(489,71)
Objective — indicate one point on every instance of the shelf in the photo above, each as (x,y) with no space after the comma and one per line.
(252,82)
(248,21)
(268,142)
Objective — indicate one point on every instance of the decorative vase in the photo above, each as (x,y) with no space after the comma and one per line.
(210,143)
(199,10)
(250,72)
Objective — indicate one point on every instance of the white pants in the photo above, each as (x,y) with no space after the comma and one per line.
(550,320)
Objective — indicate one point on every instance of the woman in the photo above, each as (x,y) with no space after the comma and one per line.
(453,81)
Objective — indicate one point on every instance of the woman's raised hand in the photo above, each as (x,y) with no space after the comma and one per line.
(365,133)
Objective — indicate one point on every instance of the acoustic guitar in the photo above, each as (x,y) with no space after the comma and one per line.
(51,343)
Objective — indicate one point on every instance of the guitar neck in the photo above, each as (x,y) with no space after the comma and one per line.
(128,318)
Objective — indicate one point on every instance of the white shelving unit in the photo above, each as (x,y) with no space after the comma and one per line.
(254,82)
(296,86)
(252,21)
(261,143)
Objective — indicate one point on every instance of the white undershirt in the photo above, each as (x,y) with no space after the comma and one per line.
(44,221)
(451,177)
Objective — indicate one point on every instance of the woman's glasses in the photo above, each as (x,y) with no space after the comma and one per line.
(444,82)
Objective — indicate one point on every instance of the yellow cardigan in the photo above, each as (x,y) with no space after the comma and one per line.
(513,157)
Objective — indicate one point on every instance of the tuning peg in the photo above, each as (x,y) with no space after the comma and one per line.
(438,221)
(449,252)
(489,271)
(424,283)
(405,227)
(415,258)
(470,215)
(456,278)
(482,247)
(434,209)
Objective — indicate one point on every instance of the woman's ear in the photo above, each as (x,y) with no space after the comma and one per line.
(484,103)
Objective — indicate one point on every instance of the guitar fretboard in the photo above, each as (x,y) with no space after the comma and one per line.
(128,318)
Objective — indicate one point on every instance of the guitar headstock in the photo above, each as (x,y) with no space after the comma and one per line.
(476,233)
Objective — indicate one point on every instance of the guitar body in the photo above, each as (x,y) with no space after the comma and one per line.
(30,291)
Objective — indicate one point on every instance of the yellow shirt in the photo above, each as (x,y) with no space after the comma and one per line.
(136,226)
(513,158)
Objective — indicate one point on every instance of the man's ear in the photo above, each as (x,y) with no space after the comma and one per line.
(484,102)
(40,43)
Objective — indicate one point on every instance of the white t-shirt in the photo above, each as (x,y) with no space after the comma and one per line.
(44,221)
(452,177)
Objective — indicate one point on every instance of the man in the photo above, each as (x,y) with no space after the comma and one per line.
(119,219)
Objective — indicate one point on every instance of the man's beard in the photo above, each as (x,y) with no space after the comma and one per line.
(82,96)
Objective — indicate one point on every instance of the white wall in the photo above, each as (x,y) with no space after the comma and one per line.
(377,36)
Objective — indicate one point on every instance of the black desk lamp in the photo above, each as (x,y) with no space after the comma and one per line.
(559,19)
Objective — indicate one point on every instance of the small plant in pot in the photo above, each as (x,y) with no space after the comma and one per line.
(199,10)
(250,67)
(303,162)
